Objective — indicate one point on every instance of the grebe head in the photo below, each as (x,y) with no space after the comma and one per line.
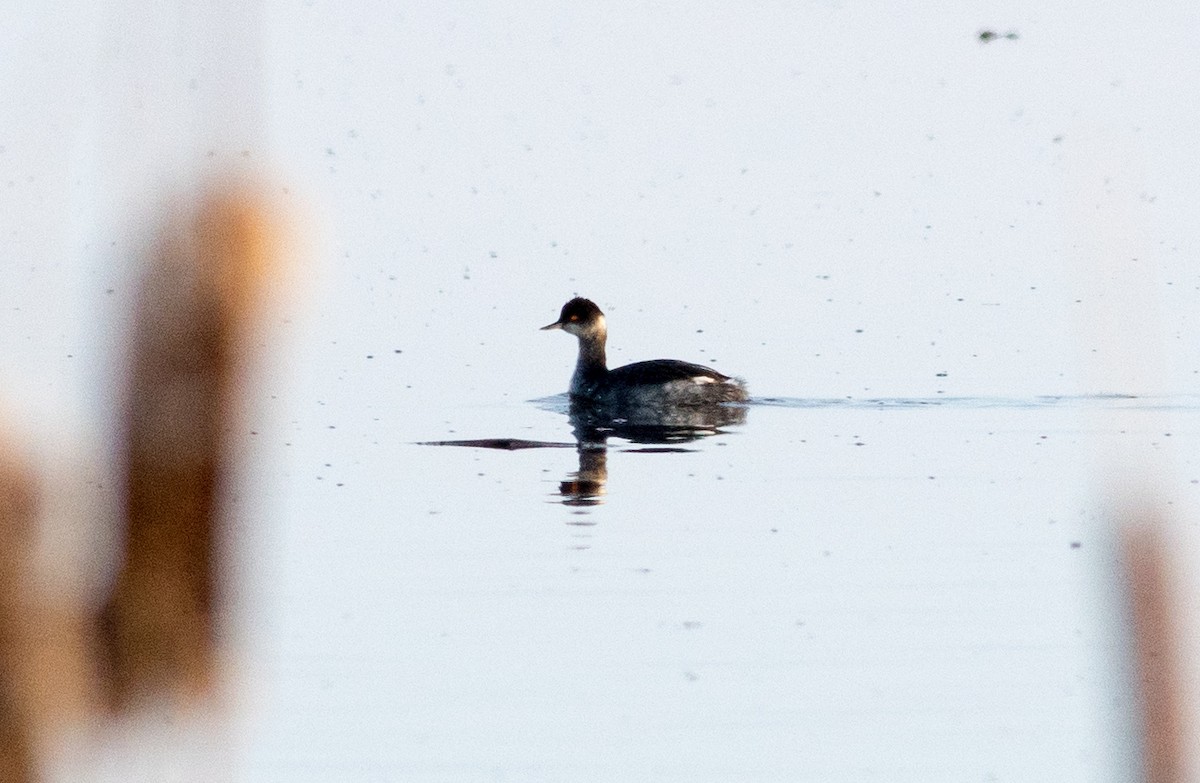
(581,318)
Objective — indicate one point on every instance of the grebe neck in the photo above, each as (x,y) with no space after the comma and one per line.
(592,363)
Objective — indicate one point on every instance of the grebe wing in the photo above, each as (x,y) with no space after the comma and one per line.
(664,371)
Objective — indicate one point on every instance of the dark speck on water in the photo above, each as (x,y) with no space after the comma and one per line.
(987,36)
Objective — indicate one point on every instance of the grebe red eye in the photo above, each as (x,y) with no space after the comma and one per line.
(573,318)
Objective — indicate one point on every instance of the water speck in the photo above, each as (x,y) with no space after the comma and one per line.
(987,36)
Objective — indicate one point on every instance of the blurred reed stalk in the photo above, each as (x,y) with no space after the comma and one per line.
(193,341)
(46,665)
(1156,642)
(18,517)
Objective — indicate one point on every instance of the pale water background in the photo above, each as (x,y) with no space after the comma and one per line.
(995,242)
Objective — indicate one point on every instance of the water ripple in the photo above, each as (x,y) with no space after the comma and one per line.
(1113,401)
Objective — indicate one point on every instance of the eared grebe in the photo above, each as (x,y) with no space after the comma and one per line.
(660,384)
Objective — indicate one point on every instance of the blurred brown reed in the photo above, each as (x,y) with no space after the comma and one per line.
(18,516)
(1156,651)
(193,336)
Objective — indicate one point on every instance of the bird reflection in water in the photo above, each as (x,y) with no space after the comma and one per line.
(651,430)
(662,430)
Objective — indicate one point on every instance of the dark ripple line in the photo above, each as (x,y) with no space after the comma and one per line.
(1185,402)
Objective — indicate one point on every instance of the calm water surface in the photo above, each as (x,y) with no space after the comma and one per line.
(901,589)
